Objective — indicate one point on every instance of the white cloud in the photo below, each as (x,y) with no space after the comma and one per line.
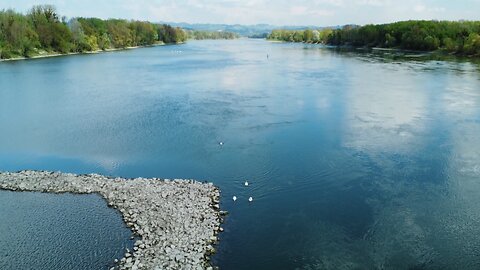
(305,11)
(419,8)
(377,3)
(427,10)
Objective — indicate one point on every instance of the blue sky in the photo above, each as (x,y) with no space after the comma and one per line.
(277,12)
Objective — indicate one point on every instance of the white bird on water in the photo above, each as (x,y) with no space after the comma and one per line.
(246,183)
(221,143)
(250,199)
(234,198)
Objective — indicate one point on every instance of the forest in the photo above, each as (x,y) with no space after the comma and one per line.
(201,35)
(43,31)
(456,37)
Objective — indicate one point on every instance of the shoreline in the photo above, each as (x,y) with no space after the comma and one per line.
(381,49)
(177,221)
(56,54)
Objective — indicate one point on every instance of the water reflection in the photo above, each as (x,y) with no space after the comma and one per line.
(384,113)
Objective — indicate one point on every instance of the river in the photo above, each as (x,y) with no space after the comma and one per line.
(356,160)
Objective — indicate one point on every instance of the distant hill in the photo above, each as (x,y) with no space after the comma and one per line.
(256,30)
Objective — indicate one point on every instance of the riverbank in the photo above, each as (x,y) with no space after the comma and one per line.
(177,221)
(436,54)
(57,54)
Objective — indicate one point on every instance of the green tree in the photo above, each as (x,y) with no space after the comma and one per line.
(79,38)
(390,40)
(472,44)
(53,34)
(308,35)
(120,33)
(298,36)
(17,36)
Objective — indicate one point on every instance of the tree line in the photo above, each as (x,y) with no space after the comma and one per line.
(459,37)
(42,30)
(308,35)
(200,35)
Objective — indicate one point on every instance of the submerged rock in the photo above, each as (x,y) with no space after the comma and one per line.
(176,220)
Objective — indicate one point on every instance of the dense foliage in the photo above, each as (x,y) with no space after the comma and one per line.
(309,36)
(199,35)
(42,30)
(455,37)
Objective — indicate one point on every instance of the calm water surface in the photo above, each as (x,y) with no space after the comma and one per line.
(356,160)
(50,231)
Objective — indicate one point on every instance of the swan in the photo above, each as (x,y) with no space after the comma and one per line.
(246,183)
(234,198)
(250,199)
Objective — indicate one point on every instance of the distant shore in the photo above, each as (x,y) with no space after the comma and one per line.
(177,220)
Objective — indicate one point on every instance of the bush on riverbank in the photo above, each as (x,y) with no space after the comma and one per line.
(42,29)
(461,37)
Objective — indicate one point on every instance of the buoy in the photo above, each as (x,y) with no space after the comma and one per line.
(250,199)
(234,198)
(246,183)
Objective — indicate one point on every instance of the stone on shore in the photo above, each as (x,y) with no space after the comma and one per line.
(176,220)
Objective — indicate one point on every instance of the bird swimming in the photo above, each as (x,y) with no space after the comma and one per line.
(246,183)
(250,199)
(234,198)
(220,143)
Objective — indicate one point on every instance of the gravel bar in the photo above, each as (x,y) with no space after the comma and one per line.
(177,221)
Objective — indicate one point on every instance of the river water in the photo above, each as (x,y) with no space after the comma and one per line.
(59,231)
(356,160)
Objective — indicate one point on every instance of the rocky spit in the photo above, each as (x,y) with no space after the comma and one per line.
(177,221)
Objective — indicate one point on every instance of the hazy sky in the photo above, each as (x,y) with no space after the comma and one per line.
(278,12)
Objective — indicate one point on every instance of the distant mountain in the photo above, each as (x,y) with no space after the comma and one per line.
(256,30)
